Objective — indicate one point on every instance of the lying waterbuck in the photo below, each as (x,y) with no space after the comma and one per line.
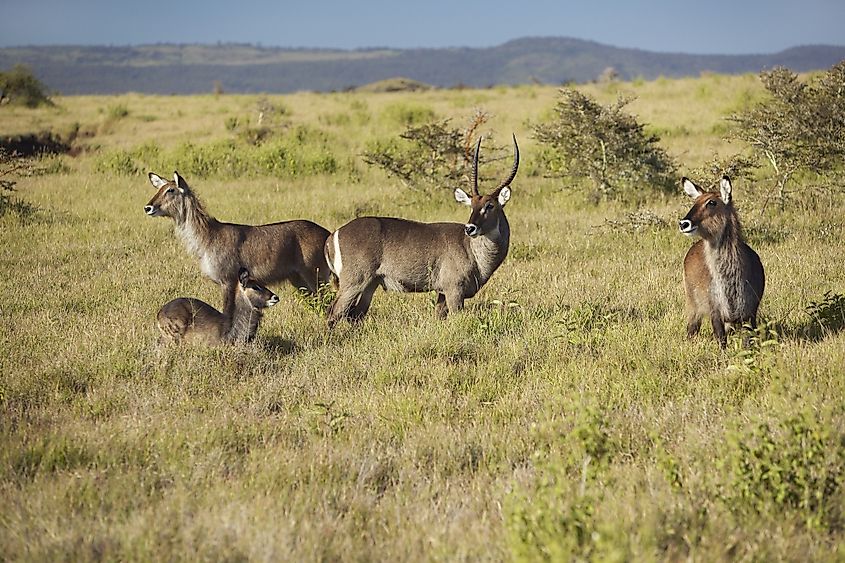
(190,320)
(453,259)
(723,276)
(289,250)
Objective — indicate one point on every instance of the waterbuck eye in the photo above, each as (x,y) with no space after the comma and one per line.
(488,207)
(711,203)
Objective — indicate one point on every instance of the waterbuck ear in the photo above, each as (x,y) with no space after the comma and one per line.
(689,188)
(180,182)
(504,195)
(725,188)
(156,180)
(243,276)
(462,197)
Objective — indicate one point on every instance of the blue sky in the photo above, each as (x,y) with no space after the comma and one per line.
(703,26)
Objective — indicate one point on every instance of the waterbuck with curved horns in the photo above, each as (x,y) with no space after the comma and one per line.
(453,259)
(723,276)
(285,251)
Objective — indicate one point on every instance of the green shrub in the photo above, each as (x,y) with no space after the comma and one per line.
(284,158)
(799,127)
(409,114)
(556,518)
(339,119)
(51,164)
(232,123)
(226,158)
(148,155)
(754,353)
(827,315)
(556,525)
(271,114)
(429,156)
(118,162)
(20,87)
(752,357)
(606,146)
(796,466)
(271,121)
(586,326)
(117,111)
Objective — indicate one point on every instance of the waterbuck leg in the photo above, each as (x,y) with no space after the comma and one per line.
(341,306)
(719,329)
(230,289)
(360,309)
(455,302)
(693,325)
(440,308)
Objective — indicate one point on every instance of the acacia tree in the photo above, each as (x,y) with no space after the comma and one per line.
(429,156)
(605,145)
(799,127)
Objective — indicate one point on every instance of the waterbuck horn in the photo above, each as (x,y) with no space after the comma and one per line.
(512,175)
(475,168)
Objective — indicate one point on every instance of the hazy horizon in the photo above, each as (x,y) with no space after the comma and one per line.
(261,45)
(718,27)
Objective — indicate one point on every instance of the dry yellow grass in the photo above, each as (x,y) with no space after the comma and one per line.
(576,422)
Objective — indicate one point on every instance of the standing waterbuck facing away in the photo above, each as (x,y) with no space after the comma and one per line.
(188,319)
(290,250)
(453,259)
(723,276)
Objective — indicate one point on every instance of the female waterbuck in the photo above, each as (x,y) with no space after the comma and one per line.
(723,276)
(453,259)
(290,250)
(192,320)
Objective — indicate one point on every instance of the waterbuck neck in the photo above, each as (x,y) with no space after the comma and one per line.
(728,232)
(724,257)
(244,321)
(489,250)
(193,224)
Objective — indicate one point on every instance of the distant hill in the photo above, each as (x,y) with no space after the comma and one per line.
(187,69)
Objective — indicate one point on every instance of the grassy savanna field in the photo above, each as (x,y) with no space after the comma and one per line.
(563,415)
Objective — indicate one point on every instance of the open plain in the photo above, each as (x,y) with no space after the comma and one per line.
(562,415)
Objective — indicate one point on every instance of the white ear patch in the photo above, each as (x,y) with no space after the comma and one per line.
(156,180)
(504,195)
(462,197)
(691,189)
(725,188)
(179,181)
